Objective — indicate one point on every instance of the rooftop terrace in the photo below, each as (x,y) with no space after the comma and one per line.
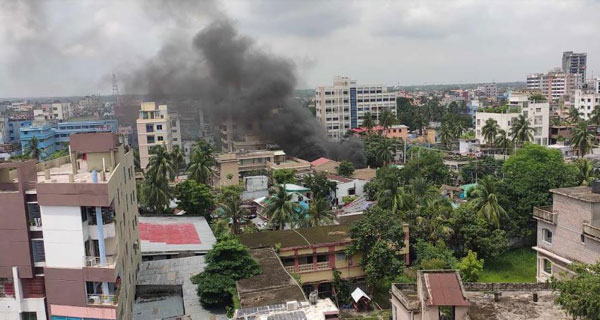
(296,238)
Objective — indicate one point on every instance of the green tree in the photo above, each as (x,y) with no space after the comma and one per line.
(574,116)
(470,267)
(227,262)
(33,149)
(387,119)
(282,176)
(319,185)
(378,237)
(319,214)
(368,122)
(485,199)
(155,189)
(585,171)
(385,152)
(529,174)
(537,97)
(230,207)
(341,294)
(202,161)
(582,139)
(195,198)
(446,135)
(434,256)
(281,209)
(177,158)
(521,130)
(346,168)
(595,116)
(426,163)
(490,130)
(136,160)
(580,295)
(502,141)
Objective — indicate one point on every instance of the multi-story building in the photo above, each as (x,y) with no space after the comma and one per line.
(538,114)
(4,130)
(574,63)
(73,250)
(243,136)
(54,111)
(585,101)
(53,137)
(555,84)
(568,231)
(488,89)
(155,126)
(341,107)
(14,127)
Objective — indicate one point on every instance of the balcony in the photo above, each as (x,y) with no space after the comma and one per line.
(35,224)
(591,231)
(302,268)
(102,300)
(323,265)
(545,214)
(94,262)
(108,231)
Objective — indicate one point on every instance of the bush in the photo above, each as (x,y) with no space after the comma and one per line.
(469,267)
(346,168)
(430,256)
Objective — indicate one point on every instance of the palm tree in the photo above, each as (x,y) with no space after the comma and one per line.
(280,208)
(486,201)
(155,189)
(582,139)
(574,115)
(178,159)
(387,119)
(230,207)
(521,130)
(33,149)
(446,135)
(160,165)
(319,214)
(595,115)
(490,130)
(502,141)
(433,218)
(403,201)
(585,174)
(201,163)
(385,151)
(458,128)
(368,122)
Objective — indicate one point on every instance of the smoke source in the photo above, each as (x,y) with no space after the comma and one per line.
(234,79)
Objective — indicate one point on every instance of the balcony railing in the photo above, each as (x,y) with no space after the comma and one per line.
(591,231)
(35,222)
(290,269)
(545,214)
(305,267)
(95,262)
(323,265)
(102,299)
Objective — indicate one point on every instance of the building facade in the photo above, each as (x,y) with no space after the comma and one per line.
(74,244)
(341,107)
(155,126)
(567,231)
(555,84)
(585,101)
(14,129)
(574,63)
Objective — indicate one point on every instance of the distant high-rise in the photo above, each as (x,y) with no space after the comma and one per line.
(574,63)
(156,126)
(341,107)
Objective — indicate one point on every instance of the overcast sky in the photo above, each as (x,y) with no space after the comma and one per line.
(71,47)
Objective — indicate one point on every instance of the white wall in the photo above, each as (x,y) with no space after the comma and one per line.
(63,236)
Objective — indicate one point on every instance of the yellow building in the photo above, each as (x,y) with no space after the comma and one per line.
(313,253)
(156,126)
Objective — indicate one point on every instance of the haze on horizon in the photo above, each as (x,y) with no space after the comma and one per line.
(60,48)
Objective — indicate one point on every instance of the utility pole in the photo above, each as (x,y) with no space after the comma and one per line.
(115,90)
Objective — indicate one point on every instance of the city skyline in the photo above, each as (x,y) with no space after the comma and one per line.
(425,43)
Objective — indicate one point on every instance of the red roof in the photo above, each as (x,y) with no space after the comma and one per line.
(319,162)
(363,129)
(338,178)
(444,289)
(176,233)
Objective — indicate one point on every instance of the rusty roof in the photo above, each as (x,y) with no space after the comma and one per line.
(444,289)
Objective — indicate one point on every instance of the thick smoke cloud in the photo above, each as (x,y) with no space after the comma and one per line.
(232,78)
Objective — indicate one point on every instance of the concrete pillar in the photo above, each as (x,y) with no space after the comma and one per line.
(100,230)
(18,285)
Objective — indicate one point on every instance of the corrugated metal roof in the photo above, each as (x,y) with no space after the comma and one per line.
(444,289)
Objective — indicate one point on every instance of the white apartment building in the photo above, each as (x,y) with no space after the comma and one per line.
(585,101)
(156,126)
(489,89)
(341,107)
(555,84)
(538,114)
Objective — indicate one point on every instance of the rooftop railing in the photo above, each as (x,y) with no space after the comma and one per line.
(95,262)
(102,299)
(545,214)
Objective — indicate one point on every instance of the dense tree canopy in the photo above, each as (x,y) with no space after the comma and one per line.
(195,198)
(580,295)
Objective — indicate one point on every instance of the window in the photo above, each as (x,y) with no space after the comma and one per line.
(161,138)
(28,316)
(150,139)
(582,238)
(37,246)
(159,127)
(447,312)
(547,266)
(547,235)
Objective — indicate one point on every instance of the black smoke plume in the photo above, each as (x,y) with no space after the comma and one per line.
(232,78)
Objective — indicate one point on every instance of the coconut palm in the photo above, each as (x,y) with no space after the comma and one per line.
(385,151)
(160,166)
(156,190)
(574,115)
(178,159)
(403,201)
(201,163)
(485,200)
(585,171)
(368,121)
(432,219)
(387,119)
(33,149)
(446,135)
(595,115)
(490,130)
(502,141)
(230,208)
(280,208)
(582,139)
(521,130)
(458,128)
(319,214)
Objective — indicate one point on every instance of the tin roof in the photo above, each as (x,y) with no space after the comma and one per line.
(444,289)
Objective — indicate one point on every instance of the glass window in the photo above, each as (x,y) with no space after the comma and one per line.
(161,138)
(447,312)
(150,139)
(547,234)
(28,316)
(547,266)
(159,127)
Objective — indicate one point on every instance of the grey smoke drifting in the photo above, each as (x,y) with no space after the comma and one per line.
(235,79)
